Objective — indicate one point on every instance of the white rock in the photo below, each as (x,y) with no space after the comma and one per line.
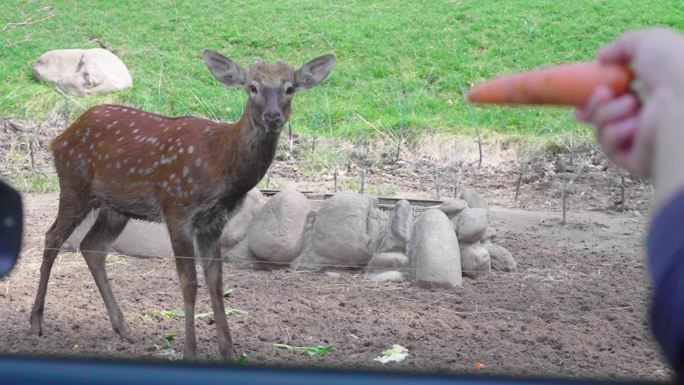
(139,238)
(501,258)
(386,276)
(475,201)
(275,234)
(399,227)
(387,260)
(474,260)
(237,226)
(489,235)
(472,224)
(453,206)
(434,256)
(83,71)
(348,230)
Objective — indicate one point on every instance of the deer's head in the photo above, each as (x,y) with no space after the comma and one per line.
(270,86)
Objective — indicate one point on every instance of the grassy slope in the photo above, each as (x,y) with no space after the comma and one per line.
(400,63)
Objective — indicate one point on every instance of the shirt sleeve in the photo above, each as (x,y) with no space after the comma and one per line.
(666,260)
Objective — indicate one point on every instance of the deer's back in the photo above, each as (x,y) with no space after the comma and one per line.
(136,162)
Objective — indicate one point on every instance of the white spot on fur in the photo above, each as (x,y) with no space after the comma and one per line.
(191,149)
(186,171)
(198,162)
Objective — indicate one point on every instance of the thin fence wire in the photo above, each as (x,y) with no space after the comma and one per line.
(536,272)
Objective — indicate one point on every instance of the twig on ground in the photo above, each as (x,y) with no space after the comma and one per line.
(27,22)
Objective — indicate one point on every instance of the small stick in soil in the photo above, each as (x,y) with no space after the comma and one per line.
(313,144)
(564,198)
(479,147)
(363,178)
(335,176)
(622,193)
(456,185)
(437,182)
(31,159)
(517,188)
(268,180)
(289,130)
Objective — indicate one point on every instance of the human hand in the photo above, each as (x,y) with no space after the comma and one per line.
(626,125)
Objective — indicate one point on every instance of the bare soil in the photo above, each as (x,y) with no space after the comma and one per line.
(576,307)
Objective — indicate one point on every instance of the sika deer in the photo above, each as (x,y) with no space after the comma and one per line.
(188,172)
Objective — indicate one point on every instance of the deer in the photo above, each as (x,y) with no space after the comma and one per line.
(186,172)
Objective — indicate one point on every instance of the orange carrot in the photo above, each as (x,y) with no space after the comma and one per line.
(568,84)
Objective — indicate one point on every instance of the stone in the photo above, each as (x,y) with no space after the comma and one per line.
(83,71)
(471,225)
(434,256)
(387,260)
(474,260)
(501,259)
(453,206)
(489,235)
(151,239)
(139,238)
(386,276)
(276,232)
(475,201)
(347,231)
(237,226)
(239,254)
(398,228)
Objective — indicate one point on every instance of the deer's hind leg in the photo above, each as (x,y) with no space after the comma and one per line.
(73,208)
(94,247)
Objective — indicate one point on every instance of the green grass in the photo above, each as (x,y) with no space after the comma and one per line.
(402,65)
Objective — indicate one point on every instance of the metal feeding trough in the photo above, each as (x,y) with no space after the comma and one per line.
(384,202)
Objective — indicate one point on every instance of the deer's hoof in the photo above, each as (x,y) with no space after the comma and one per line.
(36,325)
(125,334)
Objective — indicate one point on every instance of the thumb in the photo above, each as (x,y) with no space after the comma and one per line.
(623,49)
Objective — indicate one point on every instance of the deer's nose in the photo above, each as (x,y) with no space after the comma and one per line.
(273,119)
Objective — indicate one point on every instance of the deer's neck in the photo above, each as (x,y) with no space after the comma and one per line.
(248,151)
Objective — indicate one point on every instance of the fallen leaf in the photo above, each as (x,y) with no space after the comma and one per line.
(396,353)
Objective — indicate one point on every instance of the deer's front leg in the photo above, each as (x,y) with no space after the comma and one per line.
(208,250)
(185,266)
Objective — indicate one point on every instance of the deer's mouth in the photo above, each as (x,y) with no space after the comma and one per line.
(273,129)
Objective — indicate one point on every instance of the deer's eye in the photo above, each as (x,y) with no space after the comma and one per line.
(289,90)
(253,89)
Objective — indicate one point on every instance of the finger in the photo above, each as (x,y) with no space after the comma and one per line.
(621,51)
(616,109)
(617,139)
(599,97)
(642,157)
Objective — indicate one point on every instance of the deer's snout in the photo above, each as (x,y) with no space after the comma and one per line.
(273,119)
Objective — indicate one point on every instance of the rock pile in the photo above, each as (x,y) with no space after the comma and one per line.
(349,230)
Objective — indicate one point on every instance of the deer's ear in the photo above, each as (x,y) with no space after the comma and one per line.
(224,69)
(313,72)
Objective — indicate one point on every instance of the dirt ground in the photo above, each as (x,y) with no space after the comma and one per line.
(576,307)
